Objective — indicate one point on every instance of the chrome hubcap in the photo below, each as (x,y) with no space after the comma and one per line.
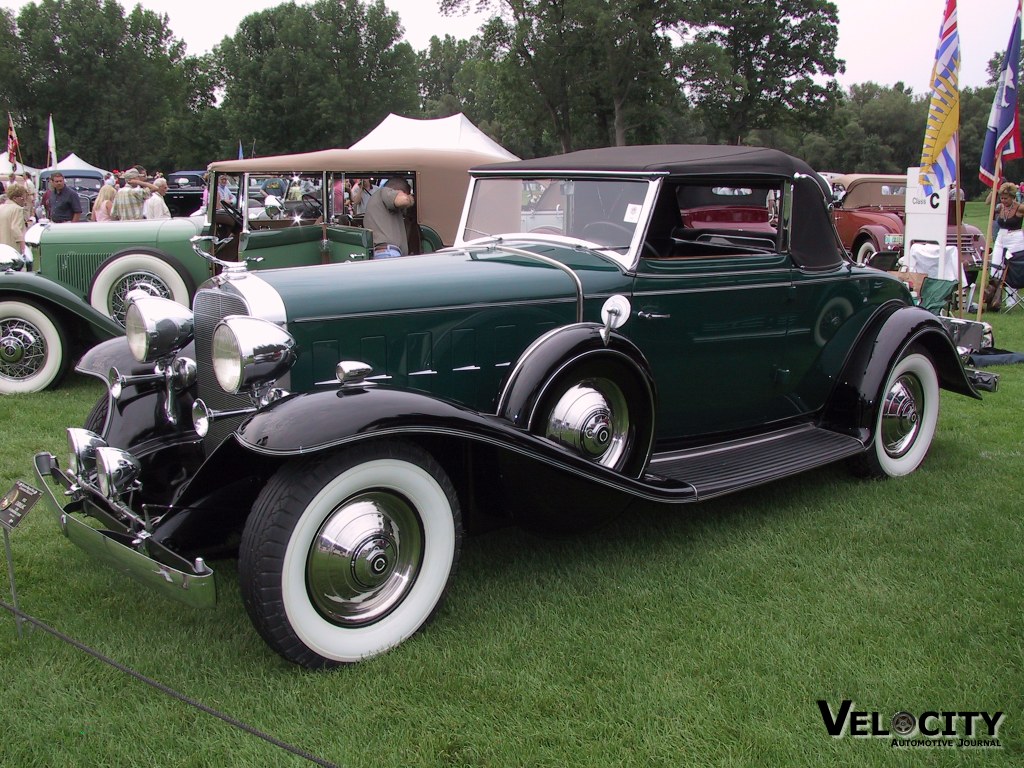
(22,349)
(901,415)
(365,558)
(592,419)
(135,281)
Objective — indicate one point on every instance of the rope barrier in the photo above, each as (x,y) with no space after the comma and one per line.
(234,722)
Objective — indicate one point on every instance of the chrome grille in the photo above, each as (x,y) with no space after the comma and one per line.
(967,247)
(209,308)
(75,269)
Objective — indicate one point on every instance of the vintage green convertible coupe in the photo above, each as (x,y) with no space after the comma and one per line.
(82,272)
(672,323)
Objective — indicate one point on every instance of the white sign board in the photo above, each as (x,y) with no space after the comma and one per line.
(927,215)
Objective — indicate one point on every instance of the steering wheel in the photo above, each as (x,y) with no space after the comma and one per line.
(606,232)
(313,205)
(234,210)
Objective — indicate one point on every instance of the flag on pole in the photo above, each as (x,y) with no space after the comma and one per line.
(51,146)
(1002,139)
(241,155)
(12,141)
(938,157)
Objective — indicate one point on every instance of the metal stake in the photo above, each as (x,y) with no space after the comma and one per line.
(10,577)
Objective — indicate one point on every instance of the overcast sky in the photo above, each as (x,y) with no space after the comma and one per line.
(884,41)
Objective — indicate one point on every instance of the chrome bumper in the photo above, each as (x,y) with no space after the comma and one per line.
(140,557)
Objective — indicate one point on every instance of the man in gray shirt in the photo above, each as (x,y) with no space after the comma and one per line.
(385,217)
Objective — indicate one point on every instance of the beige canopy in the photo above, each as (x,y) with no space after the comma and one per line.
(441,175)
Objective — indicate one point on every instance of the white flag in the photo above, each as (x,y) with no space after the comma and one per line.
(51,146)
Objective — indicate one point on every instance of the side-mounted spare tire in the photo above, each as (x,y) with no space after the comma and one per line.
(599,408)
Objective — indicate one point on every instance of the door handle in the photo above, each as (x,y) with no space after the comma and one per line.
(652,315)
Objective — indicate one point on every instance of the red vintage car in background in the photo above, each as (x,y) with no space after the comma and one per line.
(870,214)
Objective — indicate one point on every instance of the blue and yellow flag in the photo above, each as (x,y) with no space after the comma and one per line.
(938,158)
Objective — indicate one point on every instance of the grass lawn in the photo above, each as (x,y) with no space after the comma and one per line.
(676,636)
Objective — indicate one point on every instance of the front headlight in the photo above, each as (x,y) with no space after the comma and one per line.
(156,327)
(82,445)
(249,352)
(10,259)
(117,472)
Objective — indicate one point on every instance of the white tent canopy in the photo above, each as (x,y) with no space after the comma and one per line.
(455,132)
(7,168)
(74,163)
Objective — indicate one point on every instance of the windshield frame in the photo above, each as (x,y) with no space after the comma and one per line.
(625,256)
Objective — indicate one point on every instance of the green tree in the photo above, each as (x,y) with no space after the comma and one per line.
(752,64)
(10,60)
(306,77)
(113,83)
(592,67)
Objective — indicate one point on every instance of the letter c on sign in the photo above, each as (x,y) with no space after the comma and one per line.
(934,201)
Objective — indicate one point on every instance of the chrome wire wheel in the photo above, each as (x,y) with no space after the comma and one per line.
(365,558)
(32,348)
(135,281)
(22,349)
(157,275)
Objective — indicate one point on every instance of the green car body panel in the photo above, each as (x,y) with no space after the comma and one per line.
(100,263)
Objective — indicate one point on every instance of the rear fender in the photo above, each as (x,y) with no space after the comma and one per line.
(853,404)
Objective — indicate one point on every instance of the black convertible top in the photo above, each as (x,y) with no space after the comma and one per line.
(695,159)
(814,241)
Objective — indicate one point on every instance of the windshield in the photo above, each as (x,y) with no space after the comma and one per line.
(604,212)
(887,194)
(83,183)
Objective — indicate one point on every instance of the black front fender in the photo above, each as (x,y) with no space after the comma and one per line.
(136,420)
(319,421)
(114,353)
(315,421)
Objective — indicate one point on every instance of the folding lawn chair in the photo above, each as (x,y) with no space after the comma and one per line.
(1009,280)
(937,295)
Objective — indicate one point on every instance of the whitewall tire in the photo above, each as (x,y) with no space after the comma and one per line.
(33,348)
(348,554)
(125,272)
(905,421)
(865,252)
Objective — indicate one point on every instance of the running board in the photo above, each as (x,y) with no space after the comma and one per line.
(732,466)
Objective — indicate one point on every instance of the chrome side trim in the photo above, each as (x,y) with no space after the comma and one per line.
(527,353)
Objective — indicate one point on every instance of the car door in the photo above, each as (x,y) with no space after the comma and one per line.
(715,333)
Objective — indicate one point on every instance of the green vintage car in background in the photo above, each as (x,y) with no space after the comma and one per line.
(75,294)
(669,323)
